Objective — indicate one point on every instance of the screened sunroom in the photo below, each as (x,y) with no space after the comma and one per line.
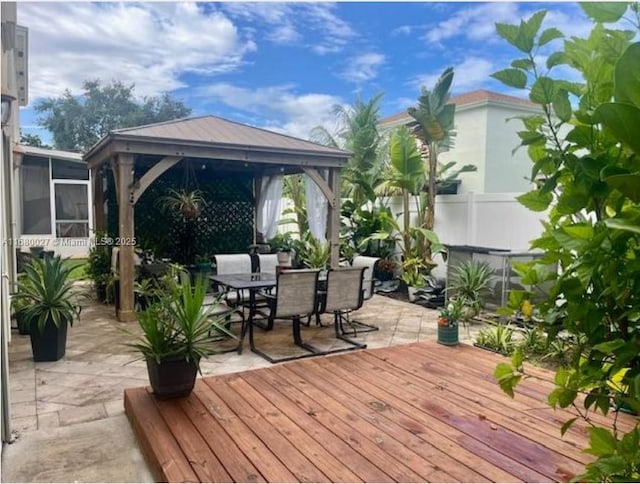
(54,196)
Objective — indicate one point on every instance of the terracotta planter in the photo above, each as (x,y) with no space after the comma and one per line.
(49,345)
(172,378)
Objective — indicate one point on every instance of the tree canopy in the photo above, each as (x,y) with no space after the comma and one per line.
(78,122)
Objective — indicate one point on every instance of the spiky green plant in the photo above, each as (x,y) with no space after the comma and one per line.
(180,325)
(473,280)
(498,338)
(46,293)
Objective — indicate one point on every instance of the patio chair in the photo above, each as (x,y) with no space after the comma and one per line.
(234,264)
(344,294)
(368,263)
(268,263)
(295,298)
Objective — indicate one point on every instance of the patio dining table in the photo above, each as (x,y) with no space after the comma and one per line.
(252,283)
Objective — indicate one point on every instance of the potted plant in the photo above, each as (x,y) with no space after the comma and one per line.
(177,334)
(472,280)
(384,269)
(315,254)
(46,290)
(448,322)
(99,267)
(19,304)
(187,203)
(413,275)
(282,244)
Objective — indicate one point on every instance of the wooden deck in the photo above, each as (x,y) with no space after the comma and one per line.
(421,412)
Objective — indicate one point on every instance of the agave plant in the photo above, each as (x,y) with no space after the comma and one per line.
(473,279)
(180,326)
(46,294)
(498,338)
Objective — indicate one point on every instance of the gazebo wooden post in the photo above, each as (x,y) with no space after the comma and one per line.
(125,162)
(333,216)
(98,199)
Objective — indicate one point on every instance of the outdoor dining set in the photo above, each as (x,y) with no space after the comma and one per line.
(259,292)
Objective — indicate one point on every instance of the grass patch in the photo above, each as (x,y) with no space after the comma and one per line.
(79,268)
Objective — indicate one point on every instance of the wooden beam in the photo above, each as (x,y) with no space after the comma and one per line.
(322,184)
(98,199)
(152,175)
(125,163)
(333,216)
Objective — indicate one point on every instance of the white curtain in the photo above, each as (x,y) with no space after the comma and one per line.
(317,207)
(269,206)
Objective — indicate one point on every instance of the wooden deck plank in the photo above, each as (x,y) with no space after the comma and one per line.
(334,445)
(491,404)
(536,389)
(480,423)
(290,455)
(421,468)
(164,456)
(374,412)
(420,412)
(429,422)
(231,457)
(252,447)
(325,412)
(281,419)
(203,461)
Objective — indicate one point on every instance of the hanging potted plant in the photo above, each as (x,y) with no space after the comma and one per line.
(449,320)
(187,203)
(46,290)
(177,334)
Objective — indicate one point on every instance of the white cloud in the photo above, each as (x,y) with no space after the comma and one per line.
(278,108)
(150,44)
(363,67)
(475,23)
(470,74)
(402,30)
(291,23)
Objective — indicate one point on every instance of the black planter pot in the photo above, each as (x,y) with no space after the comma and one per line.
(101,293)
(49,345)
(172,379)
(22,322)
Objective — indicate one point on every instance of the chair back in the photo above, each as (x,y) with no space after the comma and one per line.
(268,263)
(233,263)
(344,289)
(296,293)
(368,263)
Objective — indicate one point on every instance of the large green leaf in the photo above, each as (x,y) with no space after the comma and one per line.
(406,162)
(511,77)
(620,224)
(556,59)
(536,200)
(549,35)
(543,91)
(627,76)
(623,120)
(627,184)
(604,11)
(562,106)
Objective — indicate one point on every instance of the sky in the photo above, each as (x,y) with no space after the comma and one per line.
(280,66)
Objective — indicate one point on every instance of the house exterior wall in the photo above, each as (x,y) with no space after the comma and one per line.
(505,171)
(470,147)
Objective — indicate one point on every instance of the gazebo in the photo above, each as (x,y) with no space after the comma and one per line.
(223,145)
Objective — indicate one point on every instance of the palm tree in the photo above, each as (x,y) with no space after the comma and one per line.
(358,132)
(434,128)
(405,173)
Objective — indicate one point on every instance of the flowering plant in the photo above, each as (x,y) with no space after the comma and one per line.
(452,312)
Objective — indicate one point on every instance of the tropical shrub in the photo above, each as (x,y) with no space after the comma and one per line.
(498,338)
(472,280)
(588,180)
